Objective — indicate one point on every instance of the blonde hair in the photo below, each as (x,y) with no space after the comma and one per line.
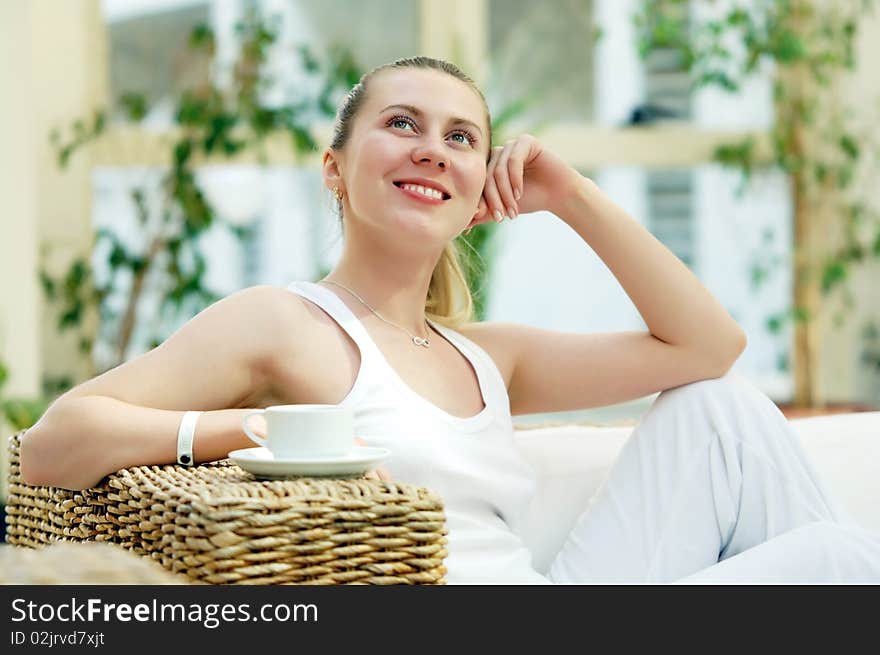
(449,300)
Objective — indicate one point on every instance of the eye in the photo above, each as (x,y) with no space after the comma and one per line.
(472,140)
(401,119)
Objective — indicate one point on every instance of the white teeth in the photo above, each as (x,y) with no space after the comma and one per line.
(431,193)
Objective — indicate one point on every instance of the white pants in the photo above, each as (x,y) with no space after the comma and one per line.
(713,486)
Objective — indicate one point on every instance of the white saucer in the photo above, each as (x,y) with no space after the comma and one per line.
(261,463)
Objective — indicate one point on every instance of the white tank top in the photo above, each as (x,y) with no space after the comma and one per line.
(472,463)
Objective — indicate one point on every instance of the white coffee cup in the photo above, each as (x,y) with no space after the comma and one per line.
(305,431)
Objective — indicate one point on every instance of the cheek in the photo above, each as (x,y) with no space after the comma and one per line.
(475,181)
(375,151)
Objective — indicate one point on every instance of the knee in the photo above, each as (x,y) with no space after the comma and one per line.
(728,393)
(727,385)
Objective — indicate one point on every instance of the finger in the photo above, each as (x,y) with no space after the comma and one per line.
(482,211)
(383,474)
(481,215)
(371,475)
(516,166)
(490,192)
(503,183)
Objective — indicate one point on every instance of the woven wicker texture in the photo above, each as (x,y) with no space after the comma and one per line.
(85,562)
(216,524)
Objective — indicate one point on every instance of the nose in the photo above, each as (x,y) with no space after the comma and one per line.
(429,151)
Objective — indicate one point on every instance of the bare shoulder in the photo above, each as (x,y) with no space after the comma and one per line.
(221,358)
(276,314)
(498,339)
(274,302)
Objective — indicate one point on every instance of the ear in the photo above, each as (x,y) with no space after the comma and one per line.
(331,172)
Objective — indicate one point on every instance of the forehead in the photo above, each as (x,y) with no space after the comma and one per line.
(434,92)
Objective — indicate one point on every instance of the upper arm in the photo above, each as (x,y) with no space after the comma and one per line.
(555,371)
(216,360)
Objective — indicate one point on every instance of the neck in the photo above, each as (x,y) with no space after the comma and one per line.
(391,274)
(395,300)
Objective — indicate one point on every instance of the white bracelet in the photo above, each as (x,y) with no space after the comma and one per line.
(185,438)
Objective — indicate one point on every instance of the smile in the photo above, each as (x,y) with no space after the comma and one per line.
(424,194)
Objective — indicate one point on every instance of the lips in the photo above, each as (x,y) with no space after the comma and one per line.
(425,183)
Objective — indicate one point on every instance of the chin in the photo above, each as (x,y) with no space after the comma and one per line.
(421,230)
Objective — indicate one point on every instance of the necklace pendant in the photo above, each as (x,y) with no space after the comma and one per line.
(419,341)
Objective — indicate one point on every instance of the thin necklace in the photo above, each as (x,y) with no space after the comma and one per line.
(419,341)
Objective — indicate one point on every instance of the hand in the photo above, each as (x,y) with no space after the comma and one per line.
(376,474)
(524,165)
(257,424)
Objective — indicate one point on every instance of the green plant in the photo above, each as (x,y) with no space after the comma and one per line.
(19,413)
(210,122)
(829,157)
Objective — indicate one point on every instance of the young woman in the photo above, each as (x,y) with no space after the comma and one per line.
(712,485)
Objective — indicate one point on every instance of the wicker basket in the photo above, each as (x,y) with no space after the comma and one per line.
(216,524)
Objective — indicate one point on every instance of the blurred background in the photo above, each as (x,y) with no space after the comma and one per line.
(161,154)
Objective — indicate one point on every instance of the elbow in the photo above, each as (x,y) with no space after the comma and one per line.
(730,353)
(41,463)
(35,460)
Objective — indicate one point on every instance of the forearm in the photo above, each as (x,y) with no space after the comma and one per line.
(80,440)
(675,306)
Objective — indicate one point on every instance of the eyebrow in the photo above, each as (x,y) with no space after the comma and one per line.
(418,112)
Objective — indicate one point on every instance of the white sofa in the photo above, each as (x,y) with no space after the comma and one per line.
(572,460)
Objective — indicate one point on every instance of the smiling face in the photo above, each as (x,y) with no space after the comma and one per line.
(416,158)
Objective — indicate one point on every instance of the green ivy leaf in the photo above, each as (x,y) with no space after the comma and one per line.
(99,122)
(231,146)
(854,252)
(76,276)
(118,256)
(782,363)
(138,264)
(849,146)
(833,273)
(302,139)
(201,36)
(48,284)
(71,317)
(758,277)
(800,315)
(789,48)
(309,61)
(134,105)
(182,152)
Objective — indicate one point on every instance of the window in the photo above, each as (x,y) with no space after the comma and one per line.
(542,51)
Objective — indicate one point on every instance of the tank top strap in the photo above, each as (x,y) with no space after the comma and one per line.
(494,390)
(339,311)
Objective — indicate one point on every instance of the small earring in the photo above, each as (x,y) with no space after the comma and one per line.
(337,194)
